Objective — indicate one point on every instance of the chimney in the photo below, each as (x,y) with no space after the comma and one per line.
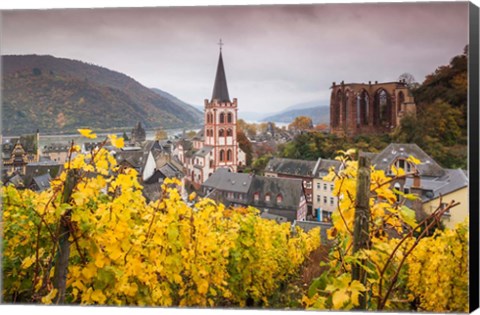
(416,181)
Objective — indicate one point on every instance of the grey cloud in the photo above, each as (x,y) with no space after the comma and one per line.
(275,56)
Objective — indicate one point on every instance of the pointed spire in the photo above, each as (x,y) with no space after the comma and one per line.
(220,90)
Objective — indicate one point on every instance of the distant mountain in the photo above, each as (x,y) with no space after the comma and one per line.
(194,110)
(58,95)
(319,115)
(305,105)
(252,116)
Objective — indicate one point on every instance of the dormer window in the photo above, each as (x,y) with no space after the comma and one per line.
(279,198)
(405,165)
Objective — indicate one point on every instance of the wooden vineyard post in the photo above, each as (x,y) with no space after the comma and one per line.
(362,219)
(61,264)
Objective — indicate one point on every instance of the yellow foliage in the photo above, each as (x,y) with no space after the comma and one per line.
(124,251)
(87,133)
(396,268)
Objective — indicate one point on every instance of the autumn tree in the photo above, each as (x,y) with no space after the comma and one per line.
(409,80)
(301,123)
(245,145)
(161,134)
(249,129)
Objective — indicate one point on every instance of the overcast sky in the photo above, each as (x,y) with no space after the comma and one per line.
(274,56)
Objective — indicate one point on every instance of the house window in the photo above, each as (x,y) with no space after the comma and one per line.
(211,163)
(267,197)
(256,196)
(443,205)
(404,164)
(308,184)
(279,198)
(331,201)
(318,185)
(397,187)
(324,186)
(229,117)
(229,132)
(324,199)
(331,187)
(222,118)
(221,133)
(309,197)
(406,190)
(230,195)
(318,198)
(326,216)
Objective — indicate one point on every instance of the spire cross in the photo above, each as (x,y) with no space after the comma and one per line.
(220,43)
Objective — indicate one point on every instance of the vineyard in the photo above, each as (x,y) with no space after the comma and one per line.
(93,239)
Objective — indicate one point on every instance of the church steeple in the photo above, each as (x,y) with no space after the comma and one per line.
(220,90)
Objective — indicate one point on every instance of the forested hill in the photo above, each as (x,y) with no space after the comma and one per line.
(440,126)
(57,95)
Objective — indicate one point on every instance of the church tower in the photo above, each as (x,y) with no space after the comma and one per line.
(221,122)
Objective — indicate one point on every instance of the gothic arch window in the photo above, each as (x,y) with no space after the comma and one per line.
(229,155)
(267,197)
(400,101)
(222,118)
(382,109)
(221,133)
(229,117)
(336,109)
(222,155)
(229,132)
(363,102)
(345,109)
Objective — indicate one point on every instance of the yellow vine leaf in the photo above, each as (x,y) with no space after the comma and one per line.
(87,133)
(339,298)
(49,297)
(116,142)
(413,160)
(397,171)
(27,262)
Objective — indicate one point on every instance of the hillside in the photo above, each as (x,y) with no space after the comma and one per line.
(58,95)
(319,115)
(194,110)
